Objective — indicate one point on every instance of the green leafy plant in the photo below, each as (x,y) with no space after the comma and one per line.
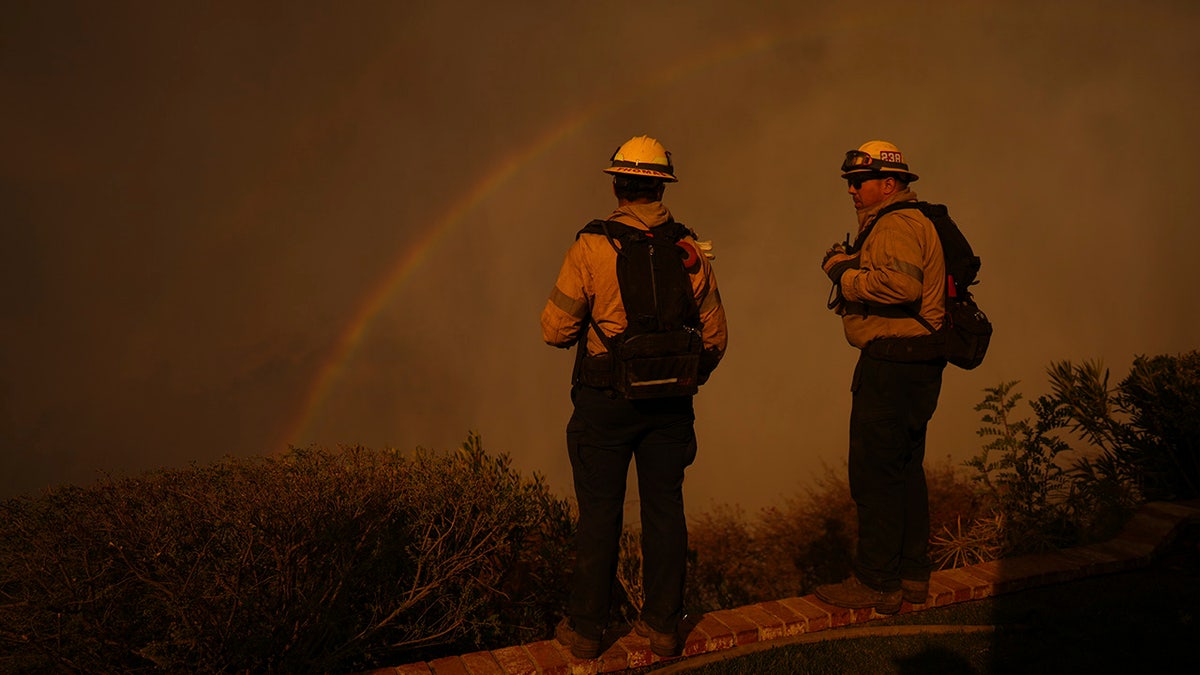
(1091,453)
(1019,472)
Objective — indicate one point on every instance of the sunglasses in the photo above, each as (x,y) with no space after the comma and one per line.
(856,182)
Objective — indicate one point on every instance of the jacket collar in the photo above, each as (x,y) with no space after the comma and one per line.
(868,214)
(643,215)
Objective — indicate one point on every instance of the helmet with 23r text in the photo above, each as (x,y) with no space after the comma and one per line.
(876,157)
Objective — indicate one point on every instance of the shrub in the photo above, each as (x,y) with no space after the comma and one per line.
(790,549)
(812,534)
(1161,396)
(1091,453)
(316,561)
(1019,474)
(728,564)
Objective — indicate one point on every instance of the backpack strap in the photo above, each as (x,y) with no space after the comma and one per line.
(906,310)
(606,228)
(622,231)
(589,370)
(670,231)
(862,236)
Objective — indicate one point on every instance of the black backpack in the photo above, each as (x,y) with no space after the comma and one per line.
(966,331)
(658,354)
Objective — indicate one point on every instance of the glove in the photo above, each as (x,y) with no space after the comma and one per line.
(837,264)
(837,248)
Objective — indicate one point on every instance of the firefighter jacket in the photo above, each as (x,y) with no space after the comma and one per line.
(587,283)
(901,270)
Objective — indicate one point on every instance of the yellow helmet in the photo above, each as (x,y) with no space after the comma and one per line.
(876,157)
(643,156)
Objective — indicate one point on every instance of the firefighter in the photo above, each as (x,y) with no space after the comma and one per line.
(606,430)
(881,286)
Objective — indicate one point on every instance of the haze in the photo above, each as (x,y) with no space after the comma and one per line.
(229,228)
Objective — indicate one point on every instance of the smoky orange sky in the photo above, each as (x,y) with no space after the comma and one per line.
(233,227)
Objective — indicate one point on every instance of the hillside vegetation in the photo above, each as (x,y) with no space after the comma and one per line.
(338,560)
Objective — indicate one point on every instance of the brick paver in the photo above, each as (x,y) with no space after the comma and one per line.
(816,618)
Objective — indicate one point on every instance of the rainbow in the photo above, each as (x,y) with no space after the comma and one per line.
(410,260)
(400,270)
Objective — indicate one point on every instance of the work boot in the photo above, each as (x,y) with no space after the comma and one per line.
(915,592)
(854,594)
(581,647)
(662,644)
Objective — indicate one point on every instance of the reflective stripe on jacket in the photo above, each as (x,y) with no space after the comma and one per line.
(900,264)
(588,281)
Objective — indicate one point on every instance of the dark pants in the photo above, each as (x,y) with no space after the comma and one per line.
(893,403)
(603,435)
